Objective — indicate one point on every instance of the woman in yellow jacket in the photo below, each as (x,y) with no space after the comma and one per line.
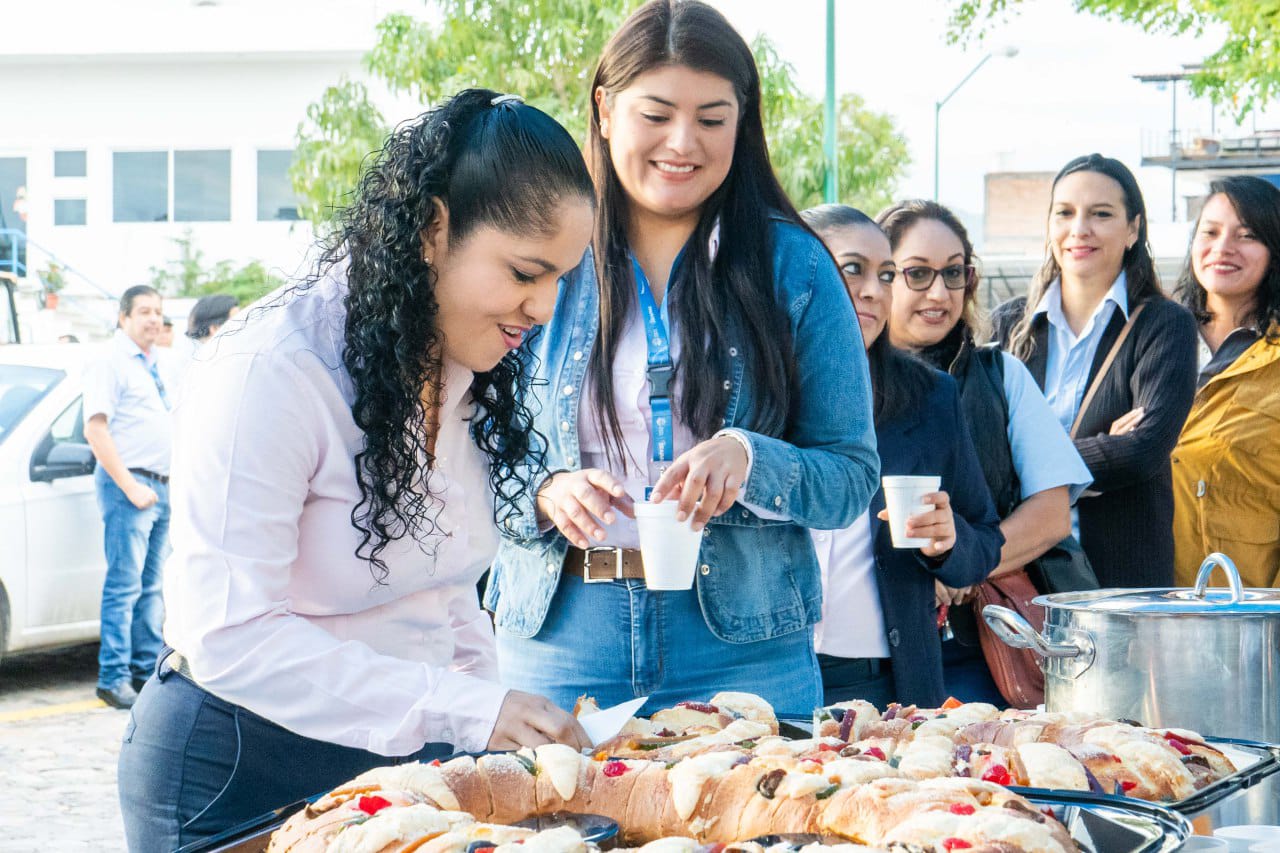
(1226,466)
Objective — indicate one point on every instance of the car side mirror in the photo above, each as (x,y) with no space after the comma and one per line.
(64,459)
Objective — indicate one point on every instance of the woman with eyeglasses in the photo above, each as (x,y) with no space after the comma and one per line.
(1226,467)
(1027,460)
(878,639)
(1098,284)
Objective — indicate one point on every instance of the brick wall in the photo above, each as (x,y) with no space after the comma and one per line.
(1017,204)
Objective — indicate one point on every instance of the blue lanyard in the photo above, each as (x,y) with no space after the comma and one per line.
(660,371)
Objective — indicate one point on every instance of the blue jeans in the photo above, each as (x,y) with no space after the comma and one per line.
(193,765)
(136,542)
(618,641)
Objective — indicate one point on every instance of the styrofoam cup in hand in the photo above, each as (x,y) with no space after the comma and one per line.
(902,496)
(1205,844)
(669,548)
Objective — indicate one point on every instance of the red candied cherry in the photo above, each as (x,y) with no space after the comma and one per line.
(704,707)
(876,752)
(372,804)
(962,809)
(614,768)
(830,747)
(435,762)
(1177,744)
(955,844)
(998,774)
(1127,785)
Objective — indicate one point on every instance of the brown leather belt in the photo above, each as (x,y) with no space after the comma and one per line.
(597,565)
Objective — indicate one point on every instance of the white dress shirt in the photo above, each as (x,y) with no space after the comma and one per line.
(264,594)
(852,623)
(119,384)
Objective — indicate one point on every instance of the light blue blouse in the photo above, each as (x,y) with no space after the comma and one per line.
(1043,455)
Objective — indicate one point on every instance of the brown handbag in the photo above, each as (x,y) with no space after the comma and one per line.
(1016,672)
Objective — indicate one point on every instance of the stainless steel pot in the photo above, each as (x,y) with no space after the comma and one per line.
(1197,658)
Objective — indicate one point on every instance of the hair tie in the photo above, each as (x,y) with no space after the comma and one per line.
(506,99)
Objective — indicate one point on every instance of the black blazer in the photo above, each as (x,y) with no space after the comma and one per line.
(932,439)
(1127,529)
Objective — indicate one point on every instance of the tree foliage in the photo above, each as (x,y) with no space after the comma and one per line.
(1242,73)
(545,51)
(187,275)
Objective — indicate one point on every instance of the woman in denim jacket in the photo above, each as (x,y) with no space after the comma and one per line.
(770,426)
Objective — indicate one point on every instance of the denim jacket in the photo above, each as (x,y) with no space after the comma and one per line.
(757,578)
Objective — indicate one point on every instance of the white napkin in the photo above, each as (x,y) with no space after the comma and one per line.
(606,723)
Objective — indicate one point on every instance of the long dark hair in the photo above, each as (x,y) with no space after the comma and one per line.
(1141,280)
(505,165)
(730,298)
(209,311)
(896,219)
(899,381)
(1257,203)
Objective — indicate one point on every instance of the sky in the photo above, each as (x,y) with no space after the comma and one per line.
(1069,91)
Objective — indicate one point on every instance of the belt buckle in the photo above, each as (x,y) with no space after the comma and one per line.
(586,564)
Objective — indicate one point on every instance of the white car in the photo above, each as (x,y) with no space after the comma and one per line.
(51,558)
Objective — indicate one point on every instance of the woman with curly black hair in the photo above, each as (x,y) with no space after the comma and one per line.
(333,481)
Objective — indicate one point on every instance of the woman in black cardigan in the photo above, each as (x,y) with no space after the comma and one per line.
(1098,273)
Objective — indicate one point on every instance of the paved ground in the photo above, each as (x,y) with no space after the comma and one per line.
(58,747)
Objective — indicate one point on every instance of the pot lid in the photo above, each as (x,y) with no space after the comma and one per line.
(1200,599)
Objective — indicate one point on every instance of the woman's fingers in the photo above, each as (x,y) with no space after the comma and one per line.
(670,478)
(1127,422)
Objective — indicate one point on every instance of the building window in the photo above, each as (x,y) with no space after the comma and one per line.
(276,200)
(68,211)
(202,186)
(140,186)
(69,164)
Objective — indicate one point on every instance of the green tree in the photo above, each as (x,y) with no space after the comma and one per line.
(872,152)
(187,276)
(1243,72)
(546,50)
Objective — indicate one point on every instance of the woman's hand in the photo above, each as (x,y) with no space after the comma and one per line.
(937,525)
(579,502)
(1127,422)
(705,479)
(945,596)
(529,720)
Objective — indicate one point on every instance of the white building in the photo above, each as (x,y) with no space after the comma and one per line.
(123,126)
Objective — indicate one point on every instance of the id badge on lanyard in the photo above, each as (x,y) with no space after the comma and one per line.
(660,372)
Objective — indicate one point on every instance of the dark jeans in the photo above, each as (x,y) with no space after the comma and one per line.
(869,679)
(966,675)
(192,765)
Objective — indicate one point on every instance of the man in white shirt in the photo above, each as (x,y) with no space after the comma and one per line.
(127,423)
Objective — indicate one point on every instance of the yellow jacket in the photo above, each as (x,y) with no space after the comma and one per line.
(1226,472)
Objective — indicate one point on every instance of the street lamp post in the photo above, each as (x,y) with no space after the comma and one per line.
(1008,52)
(832,185)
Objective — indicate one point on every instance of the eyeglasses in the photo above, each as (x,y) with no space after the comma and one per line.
(954,277)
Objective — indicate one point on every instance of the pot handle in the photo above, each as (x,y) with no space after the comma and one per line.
(1223,562)
(1017,632)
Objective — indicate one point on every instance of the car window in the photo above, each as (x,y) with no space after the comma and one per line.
(21,387)
(69,426)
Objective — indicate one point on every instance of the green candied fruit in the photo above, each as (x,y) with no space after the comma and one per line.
(826,792)
(526,764)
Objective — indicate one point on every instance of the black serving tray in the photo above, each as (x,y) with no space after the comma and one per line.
(1102,824)
(1268,762)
